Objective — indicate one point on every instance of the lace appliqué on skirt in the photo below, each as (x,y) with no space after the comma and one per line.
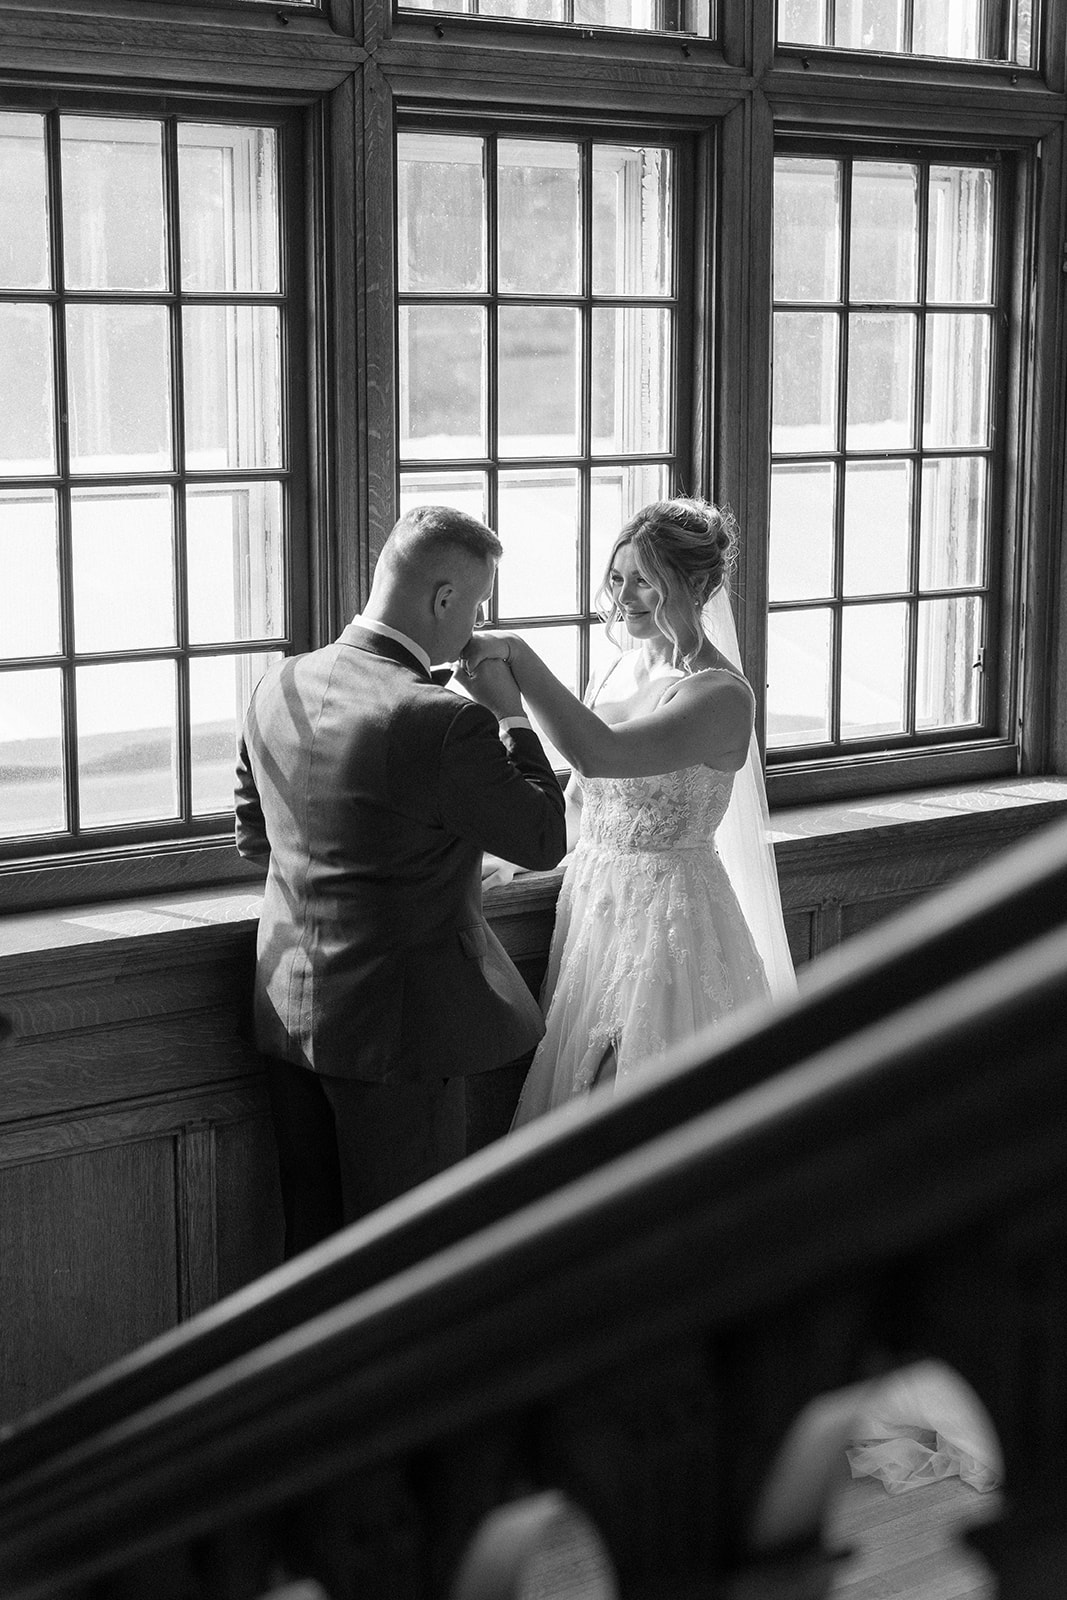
(650,945)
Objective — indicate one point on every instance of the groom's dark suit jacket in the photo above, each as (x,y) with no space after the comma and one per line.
(372,792)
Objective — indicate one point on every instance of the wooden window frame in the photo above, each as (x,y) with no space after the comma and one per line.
(991,745)
(290,474)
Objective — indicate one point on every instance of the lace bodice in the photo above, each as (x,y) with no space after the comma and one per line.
(670,811)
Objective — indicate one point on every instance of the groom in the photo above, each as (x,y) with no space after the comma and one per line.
(383,1001)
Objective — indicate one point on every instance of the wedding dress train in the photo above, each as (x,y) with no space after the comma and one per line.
(922,1424)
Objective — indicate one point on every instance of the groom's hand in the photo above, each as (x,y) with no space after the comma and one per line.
(485,646)
(493,686)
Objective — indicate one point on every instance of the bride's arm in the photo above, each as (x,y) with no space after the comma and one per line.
(707,718)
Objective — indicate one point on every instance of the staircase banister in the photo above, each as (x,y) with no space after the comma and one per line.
(951,1108)
(1013,898)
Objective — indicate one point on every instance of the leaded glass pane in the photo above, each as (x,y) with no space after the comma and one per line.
(32,799)
(127,742)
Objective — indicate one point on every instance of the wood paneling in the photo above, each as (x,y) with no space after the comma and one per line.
(88,1264)
(137,1171)
(137,1179)
(248,1222)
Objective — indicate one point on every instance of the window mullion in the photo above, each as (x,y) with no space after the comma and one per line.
(908,20)
(837,624)
(911,665)
(492,429)
(585,414)
(179,556)
(63,505)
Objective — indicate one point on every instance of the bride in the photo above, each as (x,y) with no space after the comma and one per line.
(655,938)
(669,916)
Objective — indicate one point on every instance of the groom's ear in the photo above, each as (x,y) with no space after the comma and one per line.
(443,596)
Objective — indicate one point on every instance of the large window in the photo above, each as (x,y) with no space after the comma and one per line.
(538,336)
(144,466)
(271,274)
(887,330)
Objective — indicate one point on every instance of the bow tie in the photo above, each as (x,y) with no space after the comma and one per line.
(440,674)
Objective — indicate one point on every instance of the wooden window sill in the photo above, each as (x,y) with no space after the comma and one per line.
(182,925)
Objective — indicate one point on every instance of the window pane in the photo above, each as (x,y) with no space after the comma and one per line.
(1024,24)
(881,381)
(538,527)
(127,743)
(220,688)
(801,22)
(873,660)
(113,230)
(805,381)
(798,677)
(950,638)
(233,399)
(633,245)
(948,30)
(235,549)
(123,559)
(955,510)
(464,490)
(522,10)
(441,211)
(645,16)
(877,526)
(802,531)
(869,24)
(616,495)
(807,229)
(537,197)
(442,381)
(960,259)
(228,206)
(118,369)
(31,754)
(603,654)
(937,28)
(27,410)
(956,395)
(632,385)
(885,232)
(29,564)
(23,202)
(538,380)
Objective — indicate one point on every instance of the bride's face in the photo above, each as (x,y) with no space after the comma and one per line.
(634,595)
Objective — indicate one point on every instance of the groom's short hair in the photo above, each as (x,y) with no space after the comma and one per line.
(427,532)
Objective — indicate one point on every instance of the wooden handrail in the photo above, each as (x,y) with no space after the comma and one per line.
(1013,899)
(924,1129)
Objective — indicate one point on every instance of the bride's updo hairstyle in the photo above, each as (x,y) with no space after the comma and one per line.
(686,549)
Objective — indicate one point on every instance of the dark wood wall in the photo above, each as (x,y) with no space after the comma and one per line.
(137,1181)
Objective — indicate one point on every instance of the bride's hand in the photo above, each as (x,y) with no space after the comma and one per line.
(486,647)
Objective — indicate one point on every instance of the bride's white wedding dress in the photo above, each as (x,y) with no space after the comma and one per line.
(921,1424)
(650,943)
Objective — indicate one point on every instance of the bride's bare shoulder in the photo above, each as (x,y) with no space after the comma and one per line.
(722,685)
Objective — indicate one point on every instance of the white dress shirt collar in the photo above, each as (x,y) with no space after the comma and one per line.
(372,625)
